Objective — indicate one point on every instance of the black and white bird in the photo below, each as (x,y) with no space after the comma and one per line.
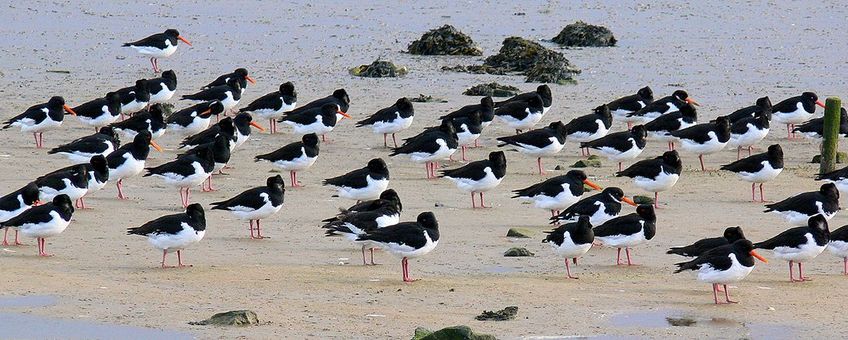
(185,172)
(600,207)
(626,105)
(521,114)
(159,45)
(589,127)
(256,204)
(72,183)
(193,119)
(272,106)
(571,241)
(486,108)
(628,231)
(799,244)
(224,127)
(762,104)
(795,110)
(406,239)
(151,120)
(43,221)
(339,98)
(731,234)
(128,160)
(557,193)
(705,138)
(163,88)
(15,203)
(620,146)
(173,233)
(294,157)
(543,91)
(320,120)
(242,122)
(362,184)
(723,265)
(838,246)
(98,175)
(240,74)
(748,131)
(220,150)
(389,196)
(838,177)
(40,118)
(799,208)
(468,129)
(813,128)
(662,127)
(479,176)
(353,224)
(80,150)
(660,107)
(228,94)
(99,112)
(134,98)
(391,120)
(430,147)
(758,169)
(546,141)
(655,175)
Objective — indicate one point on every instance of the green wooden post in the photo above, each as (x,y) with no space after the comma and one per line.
(831,135)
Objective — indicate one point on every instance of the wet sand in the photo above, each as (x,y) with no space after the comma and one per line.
(725,55)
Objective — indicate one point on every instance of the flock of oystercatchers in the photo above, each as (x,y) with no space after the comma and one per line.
(44,207)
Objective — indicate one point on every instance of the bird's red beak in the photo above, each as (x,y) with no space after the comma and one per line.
(155,146)
(343,114)
(819,103)
(183,40)
(205,112)
(593,185)
(692,101)
(758,256)
(71,111)
(254,124)
(251,80)
(629,201)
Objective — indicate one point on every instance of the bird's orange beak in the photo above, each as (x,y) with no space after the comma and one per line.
(819,103)
(251,80)
(629,201)
(692,101)
(593,185)
(183,40)
(155,146)
(758,256)
(68,108)
(205,112)
(343,114)
(254,124)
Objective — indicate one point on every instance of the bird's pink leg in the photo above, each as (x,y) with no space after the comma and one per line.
(788,131)
(385,140)
(762,198)
(618,258)
(750,147)
(801,273)
(473,202)
(715,293)
(180,260)
(727,295)
(251,230)
(568,270)
(845,266)
(482,204)
(5,233)
(657,200)
(363,256)
(539,164)
(629,125)
(791,274)
(259,231)
(120,185)
(701,158)
(42,248)
(753,194)
(17,239)
(394,140)
(35,135)
(619,166)
(165,254)
(463,154)
(738,150)
(323,138)
(372,257)
(627,251)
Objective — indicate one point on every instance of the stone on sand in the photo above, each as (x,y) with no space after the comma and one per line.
(231,318)
(581,34)
(445,40)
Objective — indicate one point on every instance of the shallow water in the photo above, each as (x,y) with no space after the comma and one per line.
(677,318)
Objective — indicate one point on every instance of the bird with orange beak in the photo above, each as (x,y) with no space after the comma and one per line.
(40,118)
(320,120)
(795,110)
(724,265)
(160,45)
(240,74)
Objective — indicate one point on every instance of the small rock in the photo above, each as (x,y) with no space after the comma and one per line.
(639,199)
(427,99)
(505,314)
(587,163)
(558,167)
(420,333)
(445,40)
(457,333)
(519,233)
(378,69)
(438,205)
(167,109)
(519,55)
(581,34)
(493,90)
(593,157)
(770,308)
(841,157)
(518,252)
(231,318)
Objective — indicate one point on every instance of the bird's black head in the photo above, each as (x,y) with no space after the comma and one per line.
(764,102)
(108,131)
(195,213)
(843,116)
(170,74)
(809,96)
(742,245)
(242,119)
(30,193)
(276,183)
(220,144)
(216,107)
(475,118)
(689,111)
(536,102)
(672,158)
(428,220)
(287,89)
(646,211)
(775,152)
(99,164)
(733,233)
(240,72)
(646,94)
(392,196)
(497,158)
(329,110)
(310,140)
(141,142)
(614,192)
(172,33)
(226,127)
(680,95)
(141,86)
(722,124)
(604,112)
(447,127)
(113,98)
(487,102)
(583,224)
(577,175)
(157,112)
(56,103)
(639,132)
(377,165)
(341,96)
(234,84)
(558,128)
(829,190)
(63,203)
(544,92)
(818,224)
(404,105)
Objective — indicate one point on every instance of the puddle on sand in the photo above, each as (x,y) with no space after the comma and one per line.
(27,301)
(499,269)
(676,318)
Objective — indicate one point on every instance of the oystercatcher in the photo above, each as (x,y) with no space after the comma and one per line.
(430,147)
(600,207)
(225,127)
(656,174)
(220,150)
(661,106)
(748,131)
(15,203)
(98,175)
(73,183)
(723,265)
(705,138)
(571,240)
(799,208)
(813,128)
(162,88)
(557,193)
(626,105)
(151,121)
(193,119)
(407,239)
(43,221)
(799,244)
(242,122)
(468,129)
(185,172)
(546,141)
(391,120)
(838,245)
(134,98)
(620,146)
(628,231)
(352,224)
(662,127)
(228,94)
(80,150)
(256,204)
(795,110)
(40,118)
(100,112)
(838,177)
(272,106)
(543,91)
(589,127)
(129,159)
(762,104)
(486,108)
(339,98)
(294,157)
(479,176)
(173,233)
(320,120)
(389,196)
(362,184)
(731,234)
(240,74)
(521,115)
(160,45)
(759,168)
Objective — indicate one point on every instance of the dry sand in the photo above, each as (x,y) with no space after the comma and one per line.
(725,55)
